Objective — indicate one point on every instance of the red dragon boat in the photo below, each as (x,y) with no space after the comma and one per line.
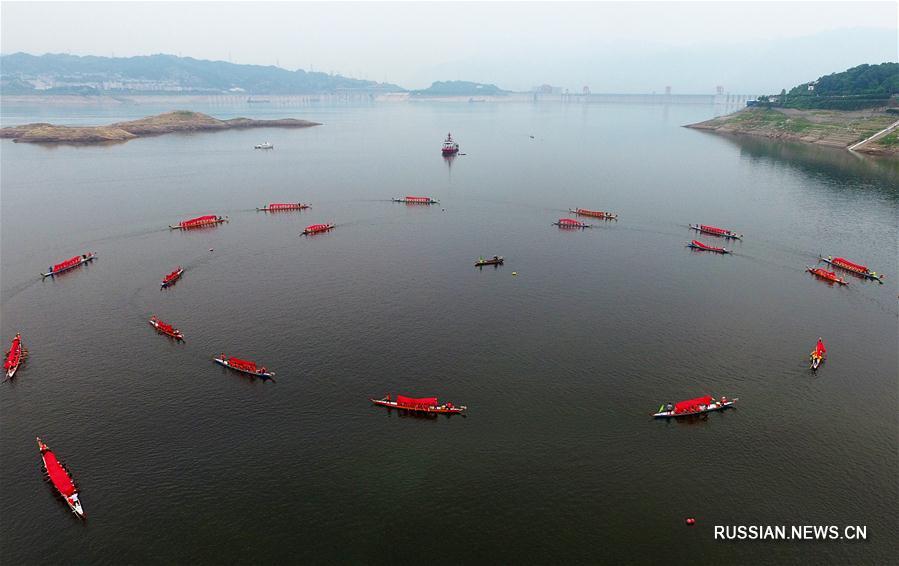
(570,223)
(450,147)
(593,213)
(416,200)
(244,366)
(852,267)
(824,274)
(690,407)
(317,229)
(818,355)
(166,329)
(68,264)
(419,405)
(14,357)
(61,479)
(716,231)
(172,277)
(200,222)
(697,245)
(280,206)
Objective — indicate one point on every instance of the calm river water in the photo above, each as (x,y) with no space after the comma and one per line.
(558,460)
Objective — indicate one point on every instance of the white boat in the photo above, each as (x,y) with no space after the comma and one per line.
(692,407)
(264,145)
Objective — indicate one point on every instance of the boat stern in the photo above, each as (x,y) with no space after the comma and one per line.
(75,505)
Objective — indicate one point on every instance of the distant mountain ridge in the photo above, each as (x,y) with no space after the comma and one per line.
(22,73)
(460,88)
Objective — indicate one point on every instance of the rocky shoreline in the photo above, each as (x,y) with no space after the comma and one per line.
(171,122)
(832,128)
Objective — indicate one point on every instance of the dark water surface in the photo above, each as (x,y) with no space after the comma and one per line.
(558,461)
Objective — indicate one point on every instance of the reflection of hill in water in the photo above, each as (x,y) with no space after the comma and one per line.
(852,171)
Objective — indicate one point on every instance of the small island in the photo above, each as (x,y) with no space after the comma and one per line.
(856,109)
(170,122)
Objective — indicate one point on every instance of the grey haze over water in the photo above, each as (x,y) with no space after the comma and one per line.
(746,47)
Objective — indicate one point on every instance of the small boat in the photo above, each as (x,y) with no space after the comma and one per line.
(166,329)
(450,147)
(68,264)
(716,231)
(697,245)
(61,479)
(696,406)
(419,405)
(264,145)
(244,366)
(593,213)
(14,357)
(199,222)
(316,229)
(495,260)
(279,206)
(824,274)
(172,277)
(416,200)
(570,223)
(818,355)
(852,267)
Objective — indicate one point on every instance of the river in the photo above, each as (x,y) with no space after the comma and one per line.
(557,460)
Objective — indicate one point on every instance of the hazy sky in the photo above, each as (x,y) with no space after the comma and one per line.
(613,46)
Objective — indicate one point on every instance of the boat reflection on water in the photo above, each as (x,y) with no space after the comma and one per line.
(404,414)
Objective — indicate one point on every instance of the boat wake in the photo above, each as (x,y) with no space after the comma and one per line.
(9,294)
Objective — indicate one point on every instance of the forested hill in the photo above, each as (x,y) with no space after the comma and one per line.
(864,86)
(21,73)
(864,79)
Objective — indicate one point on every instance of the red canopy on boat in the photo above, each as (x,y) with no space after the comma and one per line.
(416,402)
(714,229)
(846,263)
(317,227)
(67,263)
(819,348)
(199,220)
(14,351)
(242,364)
(691,405)
(418,199)
(569,221)
(58,475)
(164,327)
